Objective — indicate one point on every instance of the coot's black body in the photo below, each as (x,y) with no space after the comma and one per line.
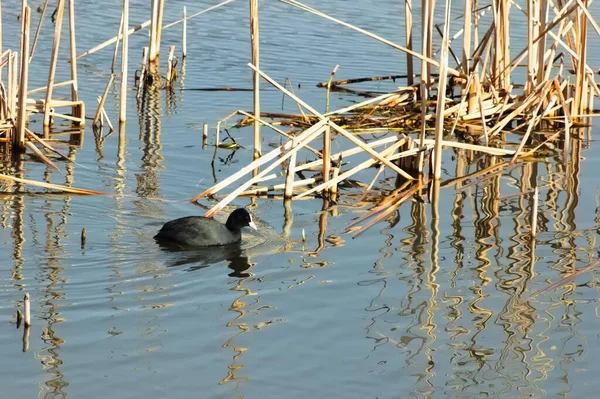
(198,231)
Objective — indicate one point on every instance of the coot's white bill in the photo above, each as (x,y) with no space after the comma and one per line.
(252,224)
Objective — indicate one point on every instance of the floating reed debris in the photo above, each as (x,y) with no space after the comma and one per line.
(492,115)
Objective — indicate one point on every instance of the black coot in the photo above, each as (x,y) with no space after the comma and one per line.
(198,231)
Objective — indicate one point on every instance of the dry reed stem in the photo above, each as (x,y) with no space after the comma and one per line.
(340,130)
(371,35)
(104,95)
(170,66)
(260,161)
(104,114)
(363,165)
(27,311)
(124,57)
(41,155)
(361,104)
(184,34)
(472,147)
(532,122)
(276,187)
(198,13)
(389,209)
(565,280)
(255,60)
(370,186)
(116,51)
(346,153)
(441,100)
(289,178)
(335,172)
(327,93)
(326,153)
(19,141)
(299,143)
(33,136)
(281,132)
(55,85)
(73,60)
(51,186)
(38,30)
(408,27)
(480,100)
(53,60)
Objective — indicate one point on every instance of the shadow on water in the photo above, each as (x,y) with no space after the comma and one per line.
(201,258)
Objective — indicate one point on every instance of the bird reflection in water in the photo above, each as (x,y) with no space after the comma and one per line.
(200,258)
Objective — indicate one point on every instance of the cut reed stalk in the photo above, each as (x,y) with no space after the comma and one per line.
(53,60)
(153,32)
(124,57)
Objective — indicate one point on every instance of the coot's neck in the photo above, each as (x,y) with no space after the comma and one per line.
(229,224)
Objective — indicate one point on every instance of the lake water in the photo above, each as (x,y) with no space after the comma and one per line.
(438,302)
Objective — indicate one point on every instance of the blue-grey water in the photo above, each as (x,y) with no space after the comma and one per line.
(439,301)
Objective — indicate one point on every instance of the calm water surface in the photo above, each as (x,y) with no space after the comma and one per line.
(430,304)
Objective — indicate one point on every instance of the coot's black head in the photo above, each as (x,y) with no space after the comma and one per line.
(238,219)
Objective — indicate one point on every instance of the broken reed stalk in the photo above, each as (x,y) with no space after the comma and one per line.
(72,190)
(327,93)
(1,58)
(27,310)
(104,114)
(260,161)
(301,140)
(340,130)
(19,139)
(184,34)
(53,61)
(255,60)
(38,30)
(124,51)
(41,155)
(171,73)
(116,52)
(204,135)
(103,100)
(34,137)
